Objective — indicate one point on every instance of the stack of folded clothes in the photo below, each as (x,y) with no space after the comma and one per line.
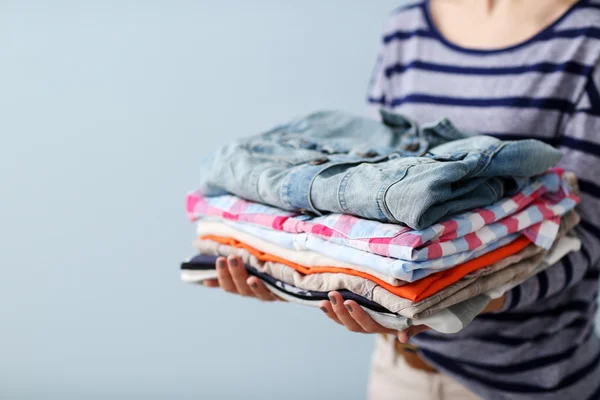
(417,224)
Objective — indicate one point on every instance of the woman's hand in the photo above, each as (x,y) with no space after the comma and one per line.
(233,278)
(349,314)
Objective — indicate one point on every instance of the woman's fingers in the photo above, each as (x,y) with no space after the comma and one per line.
(406,334)
(233,278)
(259,290)
(327,308)
(350,314)
(224,277)
(239,275)
(364,320)
(212,283)
(343,314)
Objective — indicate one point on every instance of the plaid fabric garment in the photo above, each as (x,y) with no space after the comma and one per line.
(530,212)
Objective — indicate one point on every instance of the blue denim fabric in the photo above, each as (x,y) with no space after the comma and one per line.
(393,170)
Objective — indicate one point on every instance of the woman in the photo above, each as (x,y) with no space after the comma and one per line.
(512,69)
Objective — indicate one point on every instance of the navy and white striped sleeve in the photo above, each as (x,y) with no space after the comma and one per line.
(379,88)
(580,144)
(376,94)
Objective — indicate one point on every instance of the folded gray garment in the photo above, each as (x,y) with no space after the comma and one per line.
(468,287)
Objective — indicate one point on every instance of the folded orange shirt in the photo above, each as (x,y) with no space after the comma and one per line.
(414,291)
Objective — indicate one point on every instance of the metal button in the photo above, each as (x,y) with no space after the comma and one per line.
(411,146)
(319,161)
(369,154)
(304,211)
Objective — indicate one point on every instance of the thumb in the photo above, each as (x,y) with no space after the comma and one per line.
(405,335)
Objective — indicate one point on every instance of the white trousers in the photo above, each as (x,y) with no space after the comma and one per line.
(393,379)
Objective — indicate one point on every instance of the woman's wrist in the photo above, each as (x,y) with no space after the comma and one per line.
(494,306)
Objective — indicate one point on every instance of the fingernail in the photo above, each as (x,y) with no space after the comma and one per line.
(332,299)
(323,309)
(253,285)
(349,307)
(221,263)
(233,262)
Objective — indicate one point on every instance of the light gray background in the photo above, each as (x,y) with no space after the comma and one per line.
(105,108)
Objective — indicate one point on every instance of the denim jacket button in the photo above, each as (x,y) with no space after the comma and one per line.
(368,154)
(304,211)
(319,161)
(411,146)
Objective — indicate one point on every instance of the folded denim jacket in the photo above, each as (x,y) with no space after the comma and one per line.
(392,171)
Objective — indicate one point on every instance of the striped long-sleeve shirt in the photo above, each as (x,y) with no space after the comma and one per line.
(542,345)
